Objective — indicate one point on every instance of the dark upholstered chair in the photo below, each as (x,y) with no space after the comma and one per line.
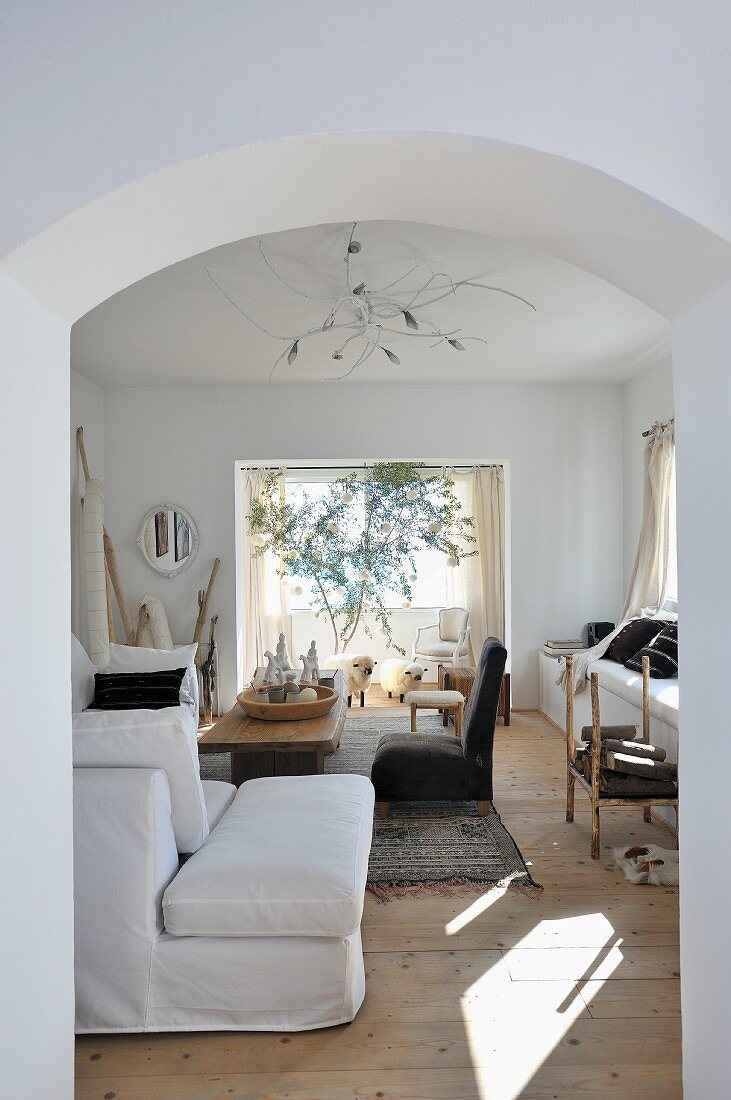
(438,767)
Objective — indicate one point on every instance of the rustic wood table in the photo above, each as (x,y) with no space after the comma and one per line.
(261,748)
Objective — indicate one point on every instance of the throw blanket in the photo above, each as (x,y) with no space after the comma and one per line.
(584,659)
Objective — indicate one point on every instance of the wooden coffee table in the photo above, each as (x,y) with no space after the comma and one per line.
(261,749)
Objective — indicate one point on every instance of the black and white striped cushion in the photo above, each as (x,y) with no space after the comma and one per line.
(663,654)
(137,690)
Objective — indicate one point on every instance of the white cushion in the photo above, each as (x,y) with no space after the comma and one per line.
(289,858)
(452,621)
(218,797)
(436,649)
(132,658)
(82,676)
(434,698)
(627,685)
(164,739)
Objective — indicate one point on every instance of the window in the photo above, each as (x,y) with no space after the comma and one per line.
(428,590)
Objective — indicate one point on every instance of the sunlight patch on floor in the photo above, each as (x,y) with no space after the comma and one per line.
(520,1009)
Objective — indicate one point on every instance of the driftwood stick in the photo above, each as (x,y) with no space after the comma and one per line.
(570,748)
(110,613)
(111,560)
(595,752)
(208,672)
(142,620)
(82,453)
(204,596)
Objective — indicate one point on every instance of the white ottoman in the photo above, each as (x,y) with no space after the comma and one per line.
(437,700)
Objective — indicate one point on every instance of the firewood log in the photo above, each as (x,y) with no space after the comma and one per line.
(647,769)
(614,733)
(634,748)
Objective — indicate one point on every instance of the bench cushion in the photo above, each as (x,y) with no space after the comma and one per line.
(289,858)
(434,698)
(625,683)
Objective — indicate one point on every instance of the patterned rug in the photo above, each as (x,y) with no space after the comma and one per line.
(424,847)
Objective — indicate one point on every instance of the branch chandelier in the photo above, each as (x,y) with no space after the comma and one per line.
(365,317)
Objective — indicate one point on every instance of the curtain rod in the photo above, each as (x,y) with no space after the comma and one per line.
(663,426)
(353,466)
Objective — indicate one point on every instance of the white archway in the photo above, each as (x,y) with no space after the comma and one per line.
(532,198)
(522,195)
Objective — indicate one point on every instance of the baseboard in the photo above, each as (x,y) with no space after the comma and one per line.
(542,714)
(662,823)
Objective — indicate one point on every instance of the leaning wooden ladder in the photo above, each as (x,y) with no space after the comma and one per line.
(574,776)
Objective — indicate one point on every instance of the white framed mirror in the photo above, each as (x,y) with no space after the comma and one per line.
(168,539)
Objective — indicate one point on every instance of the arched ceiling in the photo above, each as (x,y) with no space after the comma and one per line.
(187,322)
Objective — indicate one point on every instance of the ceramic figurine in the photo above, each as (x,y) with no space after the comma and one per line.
(282,658)
(272,669)
(313,659)
(308,675)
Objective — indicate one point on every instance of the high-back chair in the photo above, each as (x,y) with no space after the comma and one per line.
(447,641)
(439,767)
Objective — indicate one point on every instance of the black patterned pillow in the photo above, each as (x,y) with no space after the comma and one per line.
(137,690)
(663,654)
(632,637)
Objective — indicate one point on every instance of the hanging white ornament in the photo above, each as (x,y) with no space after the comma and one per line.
(340,590)
(297,590)
(381,632)
(406,603)
(386,528)
(411,494)
(452,561)
(434,528)
(346,498)
(333,528)
(293,554)
(363,574)
(413,578)
(258,540)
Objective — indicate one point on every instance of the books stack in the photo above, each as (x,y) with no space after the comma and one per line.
(559,648)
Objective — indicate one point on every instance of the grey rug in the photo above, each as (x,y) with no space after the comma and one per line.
(435,847)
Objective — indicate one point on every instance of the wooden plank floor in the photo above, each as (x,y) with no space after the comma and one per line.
(488,995)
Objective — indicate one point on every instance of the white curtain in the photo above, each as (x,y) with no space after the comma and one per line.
(650,572)
(478,583)
(265,603)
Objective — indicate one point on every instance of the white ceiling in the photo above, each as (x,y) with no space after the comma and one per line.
(176,327)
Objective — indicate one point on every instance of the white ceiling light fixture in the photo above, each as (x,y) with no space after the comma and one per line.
(367,318)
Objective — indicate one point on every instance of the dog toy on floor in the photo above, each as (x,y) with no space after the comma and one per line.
(649,865)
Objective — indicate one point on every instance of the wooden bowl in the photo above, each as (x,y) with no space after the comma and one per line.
(289,712)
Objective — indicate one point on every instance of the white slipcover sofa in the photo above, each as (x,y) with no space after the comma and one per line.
(258,929)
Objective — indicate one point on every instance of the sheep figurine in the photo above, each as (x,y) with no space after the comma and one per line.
(357,670)
(398,677)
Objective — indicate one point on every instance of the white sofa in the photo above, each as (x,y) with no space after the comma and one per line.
(258,929)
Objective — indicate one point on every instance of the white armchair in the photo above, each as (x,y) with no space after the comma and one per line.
(447,642)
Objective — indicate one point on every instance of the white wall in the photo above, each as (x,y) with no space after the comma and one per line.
(702,376)
(619,86)
(645,398)
(87,412)
(563,444)
(36,912)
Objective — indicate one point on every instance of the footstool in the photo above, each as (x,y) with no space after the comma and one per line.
(446,701)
